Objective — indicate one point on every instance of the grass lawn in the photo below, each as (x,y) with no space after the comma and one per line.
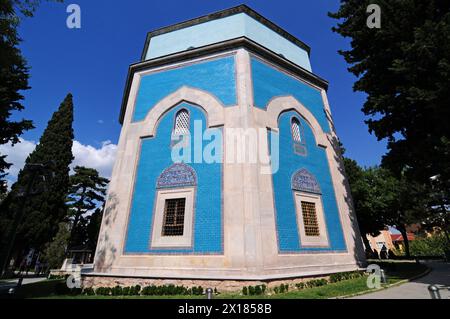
(395,271)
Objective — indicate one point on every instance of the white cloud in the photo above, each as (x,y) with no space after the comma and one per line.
(102,159)
(16,155)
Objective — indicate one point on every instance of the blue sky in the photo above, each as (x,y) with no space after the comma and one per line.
(92,62)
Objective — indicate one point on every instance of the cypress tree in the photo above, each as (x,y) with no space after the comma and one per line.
(14,74)
(39,212)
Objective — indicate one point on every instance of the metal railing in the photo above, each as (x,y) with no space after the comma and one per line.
(435,291)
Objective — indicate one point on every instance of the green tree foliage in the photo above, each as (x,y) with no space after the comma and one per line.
(409,206)
(28,7)
(373,194)
(404,68)
(367,188)
(435,245)
(14,76)
(87,192)
(93,228)
(55,251)
(45,206)
(381,199)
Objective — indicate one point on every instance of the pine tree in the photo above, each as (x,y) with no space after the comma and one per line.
(87,192)
(43,207)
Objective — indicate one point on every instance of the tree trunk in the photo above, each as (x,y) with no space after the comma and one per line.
(402,230)
(366,243)
(77,218)
(74,226)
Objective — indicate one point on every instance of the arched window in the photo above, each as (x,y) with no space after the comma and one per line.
(295,126)
(297,137)
(181,123)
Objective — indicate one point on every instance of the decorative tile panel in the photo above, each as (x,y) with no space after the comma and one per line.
(304,181)
(177,175)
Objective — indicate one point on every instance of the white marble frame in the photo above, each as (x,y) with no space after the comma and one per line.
(311,241)
(158,241)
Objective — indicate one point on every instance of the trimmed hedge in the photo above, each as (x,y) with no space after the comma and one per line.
(254,290)
(346,275)
(166,290)
(283,288)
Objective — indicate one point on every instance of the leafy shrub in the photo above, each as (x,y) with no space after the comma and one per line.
(300,285)
(126,291)
(170,290)
(88,291)
(431,246)
(197,291)
(280,289)
(316,283)
(103,291)
(254,290)
(345,276)
(134,290)
(117,291)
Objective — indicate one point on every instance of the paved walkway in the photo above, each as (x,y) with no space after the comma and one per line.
(417,289)
(25,280)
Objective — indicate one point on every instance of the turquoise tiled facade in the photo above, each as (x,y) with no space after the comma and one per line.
(240,222)
(217,77)
(315,162)
(155,157)
(269,83)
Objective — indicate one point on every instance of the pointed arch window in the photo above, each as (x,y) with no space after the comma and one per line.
(297,137)
(295,126)
(182,123)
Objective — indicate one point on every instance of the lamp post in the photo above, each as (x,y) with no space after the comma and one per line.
(209,293)
(34,169)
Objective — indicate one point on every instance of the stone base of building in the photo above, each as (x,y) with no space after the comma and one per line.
(226,285)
